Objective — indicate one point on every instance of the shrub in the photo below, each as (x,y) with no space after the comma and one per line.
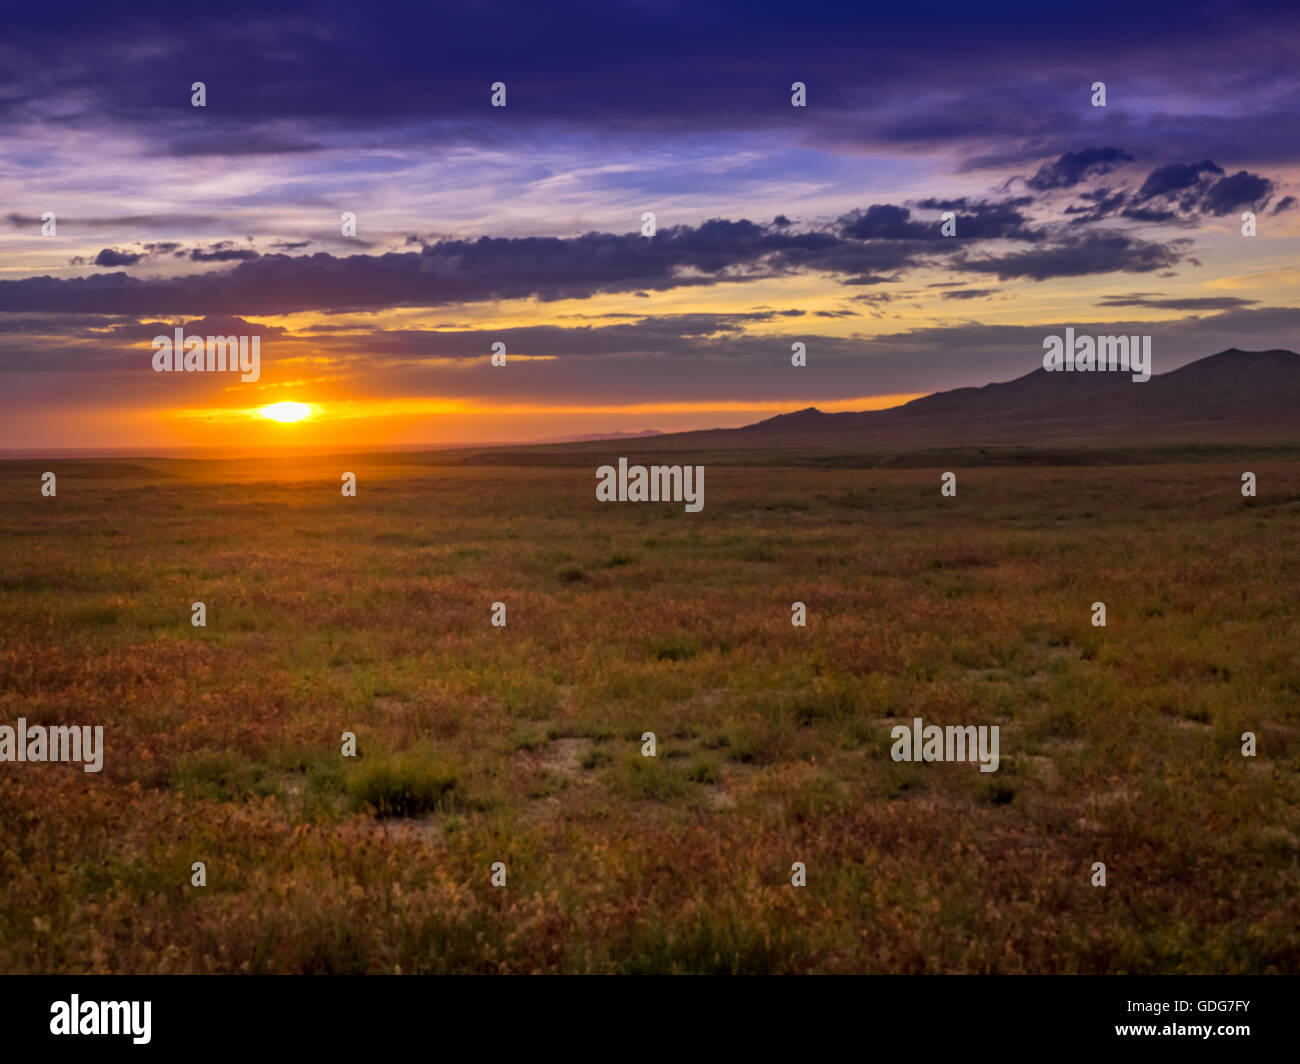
(676,646)
(222,775)
(400,785)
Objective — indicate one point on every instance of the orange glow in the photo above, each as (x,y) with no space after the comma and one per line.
(348,409)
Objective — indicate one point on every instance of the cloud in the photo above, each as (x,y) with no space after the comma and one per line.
(883,221)
(1074,166)
(1148,214)
(1175,177)
(113,257)
(1103,251)
(1191,188)
(237,140)
(984,220)
(1097,204)
(1238,190)
(71,223)
(1174,343)
(1178,193)
(455,271)
(865,247)
(974,221)
(295,81)
(1194,303)
(223,252)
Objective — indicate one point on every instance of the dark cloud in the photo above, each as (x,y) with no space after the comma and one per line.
(80,325)
(1175,177)
(1189,304)
(127,221)
(862,248)
(1236,191)
(1187,190)
(223,254)
(113,257)
(969,293)
(1097,204)
(1103,251)
(294,77)
(983,220)
(1175,193)
(1074,166)
(974,220)
(886,222)
(122,257)
(456,271)
(1148,214)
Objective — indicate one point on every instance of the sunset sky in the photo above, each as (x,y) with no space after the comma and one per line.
(522,224)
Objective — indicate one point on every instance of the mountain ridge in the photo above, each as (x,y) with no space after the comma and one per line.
(1258,391)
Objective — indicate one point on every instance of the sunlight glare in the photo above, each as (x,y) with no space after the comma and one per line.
(286,412)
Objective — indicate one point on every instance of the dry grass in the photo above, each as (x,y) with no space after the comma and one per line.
(481,744)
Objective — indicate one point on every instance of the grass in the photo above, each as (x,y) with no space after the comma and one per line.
(400,785)
(522,744)
(221,775)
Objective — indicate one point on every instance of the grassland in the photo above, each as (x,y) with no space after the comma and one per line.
(522,744)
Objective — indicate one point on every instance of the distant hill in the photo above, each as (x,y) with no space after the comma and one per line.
(1234,397)
(1224,397)
(1231,397)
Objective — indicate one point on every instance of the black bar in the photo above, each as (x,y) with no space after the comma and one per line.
(676,1018)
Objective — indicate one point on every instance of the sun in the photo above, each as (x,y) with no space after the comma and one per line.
(286,411)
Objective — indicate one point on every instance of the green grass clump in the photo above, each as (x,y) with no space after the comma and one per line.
(221,775)
(638,777)
(400,785)
(675,646)
(703,770)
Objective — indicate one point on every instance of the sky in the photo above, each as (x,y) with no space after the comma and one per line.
(522,225)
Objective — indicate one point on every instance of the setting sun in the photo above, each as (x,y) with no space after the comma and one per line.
(286,411)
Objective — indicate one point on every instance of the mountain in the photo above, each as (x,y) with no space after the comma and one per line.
(1234,397)
(1225,397)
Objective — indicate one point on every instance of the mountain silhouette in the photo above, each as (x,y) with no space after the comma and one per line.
(1232,395)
